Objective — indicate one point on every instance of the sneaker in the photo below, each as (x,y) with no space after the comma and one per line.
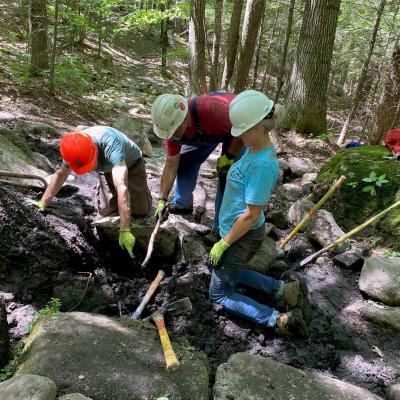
(174,209)
(294,294)
(291,323)
(211,238)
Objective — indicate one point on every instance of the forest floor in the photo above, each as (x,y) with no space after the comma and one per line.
(337,344)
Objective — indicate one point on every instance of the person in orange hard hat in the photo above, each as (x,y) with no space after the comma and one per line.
(122,175)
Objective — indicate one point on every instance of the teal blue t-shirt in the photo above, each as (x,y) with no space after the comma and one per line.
(113,147)
(250,181)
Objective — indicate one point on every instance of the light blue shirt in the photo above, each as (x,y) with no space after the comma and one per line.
(250,181)
(113,147)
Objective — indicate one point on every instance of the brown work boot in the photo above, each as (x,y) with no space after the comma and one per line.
(291,323)
(294,294)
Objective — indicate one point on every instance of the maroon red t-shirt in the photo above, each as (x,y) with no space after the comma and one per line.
(213,116)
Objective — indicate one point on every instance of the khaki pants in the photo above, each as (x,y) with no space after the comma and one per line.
(107,199)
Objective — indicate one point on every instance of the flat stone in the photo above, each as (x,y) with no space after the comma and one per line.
(351,259)
(301,166)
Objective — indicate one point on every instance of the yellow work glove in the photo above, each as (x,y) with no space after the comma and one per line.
(223,164)
(161,205)
(216,252)
(126,240)
(41,205)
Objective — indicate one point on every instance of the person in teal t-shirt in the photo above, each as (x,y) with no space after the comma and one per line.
(249,184)
(122,175)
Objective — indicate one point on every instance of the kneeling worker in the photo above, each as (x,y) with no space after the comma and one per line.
(122,175)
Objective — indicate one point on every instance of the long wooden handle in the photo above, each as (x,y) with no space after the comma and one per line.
(151,242)
(313,211)
(150,291)
(171,361)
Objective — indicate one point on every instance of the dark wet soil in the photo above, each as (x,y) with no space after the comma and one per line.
(35,247)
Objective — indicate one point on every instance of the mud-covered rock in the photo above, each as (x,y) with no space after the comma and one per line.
(28,387)
(299,247)
(379,279)
(4,335)
(278,218)
(298,211)
(111,358)
(290,192)
(301,166)
(264,257)
(251,377)
(352,259)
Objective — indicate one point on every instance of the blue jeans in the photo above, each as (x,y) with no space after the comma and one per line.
(191,158)
(231,273)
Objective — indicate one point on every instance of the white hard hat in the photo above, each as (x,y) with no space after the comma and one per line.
(168,112)
(247,109)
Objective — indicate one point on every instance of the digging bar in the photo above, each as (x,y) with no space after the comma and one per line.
(10,174)
(341,239)
(309,215)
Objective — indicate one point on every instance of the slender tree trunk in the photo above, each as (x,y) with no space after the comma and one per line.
(197,48)
(363,76)
(99,38)
(282,65)
(164,37)
(306,99)
(251,25)
(388,109)
(214,74)
(232,43)
(258,51)
(39,60)
(54,50)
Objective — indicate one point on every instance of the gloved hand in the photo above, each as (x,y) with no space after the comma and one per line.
(161,205)
(217,250)
(223,164)
(40,204)
(126,240)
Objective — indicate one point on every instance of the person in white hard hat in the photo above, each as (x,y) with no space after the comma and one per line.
(249,184)
(192,130)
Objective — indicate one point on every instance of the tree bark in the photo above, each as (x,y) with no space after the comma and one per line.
(164,37)
(54,49)
(282,65)
(258,51)
(388,109)
(214,81)
(232,43)
(306,99)
(361,81)
(251,25)
(197,48)
(39,60)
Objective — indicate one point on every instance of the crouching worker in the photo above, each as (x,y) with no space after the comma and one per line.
(249,184)
(122,175)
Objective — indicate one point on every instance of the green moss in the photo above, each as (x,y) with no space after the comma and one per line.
(350,206)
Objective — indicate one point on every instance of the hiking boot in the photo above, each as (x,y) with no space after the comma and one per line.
(211,238)
(294,295)
(291,323)
(173,209)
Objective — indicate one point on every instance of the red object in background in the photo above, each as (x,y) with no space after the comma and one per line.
(392,140)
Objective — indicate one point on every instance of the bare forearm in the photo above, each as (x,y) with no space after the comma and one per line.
(168,178)
(55,185)
(124,206)
(241,227)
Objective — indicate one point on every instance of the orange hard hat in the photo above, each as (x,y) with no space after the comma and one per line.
(79,151)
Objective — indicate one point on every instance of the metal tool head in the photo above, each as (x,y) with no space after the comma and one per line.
(177,307)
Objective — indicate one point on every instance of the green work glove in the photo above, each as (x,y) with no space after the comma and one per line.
(161,205)
(126,240)
(223,164)
(41,205)
(217,250)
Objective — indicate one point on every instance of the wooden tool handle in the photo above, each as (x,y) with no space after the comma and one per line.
(171,361)
(150,291)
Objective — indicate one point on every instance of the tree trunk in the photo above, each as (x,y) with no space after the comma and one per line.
(214,81)
(197,48)
(306,99)
(164,37)
(251,25)
(363,76)
(38,28)
(258,51)
(232,43)
(388,109)
(54,50)
(282,65)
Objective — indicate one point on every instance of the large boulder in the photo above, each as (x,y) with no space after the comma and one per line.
(111,358)
(252,377)
(350,205)
(379,279)
(28,387)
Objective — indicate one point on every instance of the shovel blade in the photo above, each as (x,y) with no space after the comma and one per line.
(179,306)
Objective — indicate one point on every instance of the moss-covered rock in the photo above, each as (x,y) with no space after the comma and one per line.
(350,205)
